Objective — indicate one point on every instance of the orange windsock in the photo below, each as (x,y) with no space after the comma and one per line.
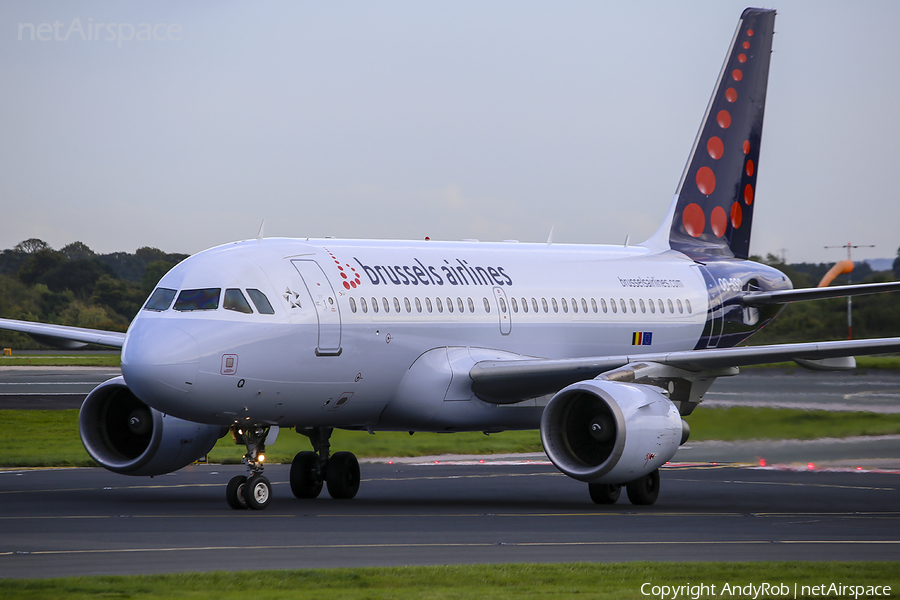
(839,268)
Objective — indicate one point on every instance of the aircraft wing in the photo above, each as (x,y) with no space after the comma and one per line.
(509,381)
(63,336)
(785,296)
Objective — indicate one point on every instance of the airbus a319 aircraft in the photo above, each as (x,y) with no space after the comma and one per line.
(603,348)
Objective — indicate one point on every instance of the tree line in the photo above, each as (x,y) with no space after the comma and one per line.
(76,286)
(877,315)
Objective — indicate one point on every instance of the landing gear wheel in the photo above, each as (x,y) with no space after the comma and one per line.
(342,475)
(644,490)
(257,492)
(305,482)
(234,493)
(605,493)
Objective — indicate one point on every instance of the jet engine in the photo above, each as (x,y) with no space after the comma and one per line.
(601,431)
(128,437)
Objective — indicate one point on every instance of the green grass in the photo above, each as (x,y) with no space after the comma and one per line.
(891,362)
(748,423)
(53,440)
(462,582)
(75,359)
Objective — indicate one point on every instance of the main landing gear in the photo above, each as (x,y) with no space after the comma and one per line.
(642,491)
(309,469)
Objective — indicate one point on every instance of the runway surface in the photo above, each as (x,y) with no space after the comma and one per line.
(45,388)
(874,390)
(90,521)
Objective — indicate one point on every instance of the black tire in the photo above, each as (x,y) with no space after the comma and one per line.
(342,476)
(257,492)
(605,493)
(644,490)
(234,493)
(305,482)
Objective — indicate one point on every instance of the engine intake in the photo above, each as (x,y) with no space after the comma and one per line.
(610,432)
(126,436)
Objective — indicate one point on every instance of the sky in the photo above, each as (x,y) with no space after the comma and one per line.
(489,119)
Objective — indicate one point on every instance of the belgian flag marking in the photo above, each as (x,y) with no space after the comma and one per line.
(642,338)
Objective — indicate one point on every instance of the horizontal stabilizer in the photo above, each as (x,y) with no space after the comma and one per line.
(785,296)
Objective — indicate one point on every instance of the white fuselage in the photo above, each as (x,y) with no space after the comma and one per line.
(352,317)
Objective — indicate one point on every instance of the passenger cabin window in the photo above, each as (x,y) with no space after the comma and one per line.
(487,305)
(205,299)
(160,299)
(260,301)
(234,300)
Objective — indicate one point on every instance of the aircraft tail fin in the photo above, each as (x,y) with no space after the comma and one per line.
(712,212)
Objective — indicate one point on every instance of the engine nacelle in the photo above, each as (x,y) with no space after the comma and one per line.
(602,431)
(128,437)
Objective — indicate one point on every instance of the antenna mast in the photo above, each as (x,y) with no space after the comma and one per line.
(849,246)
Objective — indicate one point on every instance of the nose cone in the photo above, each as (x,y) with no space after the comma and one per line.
(160,363)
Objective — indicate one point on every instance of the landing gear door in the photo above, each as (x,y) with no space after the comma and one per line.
(503,311)
(325,301)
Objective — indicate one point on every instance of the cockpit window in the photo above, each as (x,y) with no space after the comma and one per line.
(261,302)
(234,300)
(205,299)
(160,299)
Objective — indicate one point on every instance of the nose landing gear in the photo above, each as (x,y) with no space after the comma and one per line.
(310,470)
(254,491)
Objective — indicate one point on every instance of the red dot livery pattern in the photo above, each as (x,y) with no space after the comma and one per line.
(349,276)
(714,211)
